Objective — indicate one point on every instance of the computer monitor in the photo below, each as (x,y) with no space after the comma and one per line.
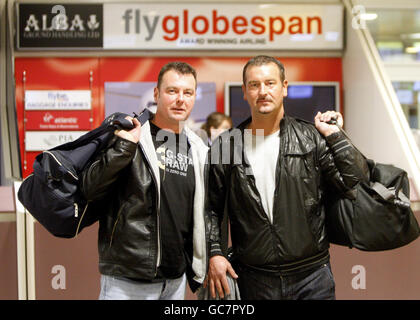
(303,101)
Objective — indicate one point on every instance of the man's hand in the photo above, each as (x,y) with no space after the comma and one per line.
(216,278)
(132,135)
(323,127)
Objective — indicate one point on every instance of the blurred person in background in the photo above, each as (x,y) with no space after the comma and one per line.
(215,124)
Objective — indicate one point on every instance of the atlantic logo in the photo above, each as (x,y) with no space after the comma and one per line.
(215,23)
(48,117)
(50,122)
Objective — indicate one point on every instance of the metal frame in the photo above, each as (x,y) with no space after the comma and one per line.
(10,143)
(97,52)
(25,237)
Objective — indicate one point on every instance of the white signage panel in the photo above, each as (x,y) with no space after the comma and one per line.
(44,140)
(185,26)
(58,100)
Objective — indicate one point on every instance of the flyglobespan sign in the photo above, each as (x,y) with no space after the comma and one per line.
(180,26)
(222,26)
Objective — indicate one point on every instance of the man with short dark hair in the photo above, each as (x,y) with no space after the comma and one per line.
(152,236)
(274,194)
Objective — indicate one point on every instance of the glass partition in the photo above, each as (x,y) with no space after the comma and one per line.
(396,33)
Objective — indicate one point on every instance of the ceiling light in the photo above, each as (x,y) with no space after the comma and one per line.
(412,49)
(409,36)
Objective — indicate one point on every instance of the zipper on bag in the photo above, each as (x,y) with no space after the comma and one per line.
(76,210)
(80,221)
(55,158)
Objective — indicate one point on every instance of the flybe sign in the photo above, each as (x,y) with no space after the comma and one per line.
(222,26)
(182,26)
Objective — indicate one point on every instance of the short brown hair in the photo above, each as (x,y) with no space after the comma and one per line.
(263,60)
(214,120)
(180,67)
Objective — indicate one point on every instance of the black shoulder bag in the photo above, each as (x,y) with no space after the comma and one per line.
(52,195)
(380,216)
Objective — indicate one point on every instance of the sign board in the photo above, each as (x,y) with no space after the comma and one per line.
(181,26)
(59,25)
(186,26)
(58,120)
(44,140)
(58,100)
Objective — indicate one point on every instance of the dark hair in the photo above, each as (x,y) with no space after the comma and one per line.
(214,120)
(262,60)
(180,67)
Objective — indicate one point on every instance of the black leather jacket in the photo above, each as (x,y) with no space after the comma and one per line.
(125,176)
(307,162)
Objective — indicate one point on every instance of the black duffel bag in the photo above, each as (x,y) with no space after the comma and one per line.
(375,216)
(52,195)
(379,218)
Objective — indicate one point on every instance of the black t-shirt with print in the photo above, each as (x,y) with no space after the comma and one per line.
(177,185)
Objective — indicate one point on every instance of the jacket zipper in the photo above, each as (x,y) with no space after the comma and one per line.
(114,227)
(279,171)
(253,184)
(158,259)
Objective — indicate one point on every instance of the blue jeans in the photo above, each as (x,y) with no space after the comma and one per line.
(119,288)
(315,284)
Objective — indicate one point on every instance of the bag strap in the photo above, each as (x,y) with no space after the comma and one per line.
(334,121)
(384,192)
(397,197)
(115,121)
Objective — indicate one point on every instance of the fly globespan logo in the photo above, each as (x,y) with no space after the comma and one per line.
(220,26)
(215,23)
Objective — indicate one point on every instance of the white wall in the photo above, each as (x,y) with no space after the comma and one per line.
(373,116)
